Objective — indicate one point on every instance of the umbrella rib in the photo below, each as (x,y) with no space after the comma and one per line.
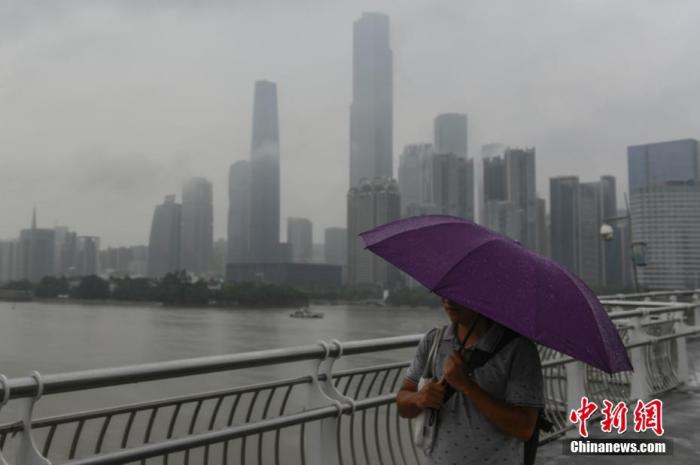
(593,315)
(406,231)
(464,257)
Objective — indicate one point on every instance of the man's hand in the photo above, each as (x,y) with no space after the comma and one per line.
(431,396)
(455,372)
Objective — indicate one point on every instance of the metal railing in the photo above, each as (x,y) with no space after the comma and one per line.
(321,416)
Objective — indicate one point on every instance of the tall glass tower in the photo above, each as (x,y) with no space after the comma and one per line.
(265,176)
(371,111)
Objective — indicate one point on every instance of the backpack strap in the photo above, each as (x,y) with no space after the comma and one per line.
(479,358)
(530,446)
(429,369)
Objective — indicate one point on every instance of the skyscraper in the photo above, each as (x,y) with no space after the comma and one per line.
(664,181)
(416,177)
(450,132)
(164,244)
(494,172)
(265,176)
(450,141)
(197,237)
(520,189)
(563,197)
(300,238)
(335,246)
(371,111)
(590,244)
(373,203)
(9,260)
(239,188)
(37,252)
(87,255)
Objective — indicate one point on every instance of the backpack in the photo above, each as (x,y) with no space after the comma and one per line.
(478,359)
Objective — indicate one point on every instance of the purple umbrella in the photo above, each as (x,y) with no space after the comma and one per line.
(504,281)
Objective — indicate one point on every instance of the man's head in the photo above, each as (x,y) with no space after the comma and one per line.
(458,313)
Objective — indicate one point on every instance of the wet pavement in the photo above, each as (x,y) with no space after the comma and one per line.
(681,421)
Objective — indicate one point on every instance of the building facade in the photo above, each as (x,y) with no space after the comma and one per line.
(264,236)
(371,111)
(664,180)
(197,236)
(416,177)
(239,188)
(300,239)
(373,203)
(564,198)
(164,244)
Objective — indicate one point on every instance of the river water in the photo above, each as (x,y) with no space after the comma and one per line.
(61,337)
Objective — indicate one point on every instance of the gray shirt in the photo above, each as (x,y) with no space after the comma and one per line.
(514,375)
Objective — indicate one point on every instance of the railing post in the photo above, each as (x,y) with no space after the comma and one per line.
(575,389)
(696,311)
(320,437)
(639,380)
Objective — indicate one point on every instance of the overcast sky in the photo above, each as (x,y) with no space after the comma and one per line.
(106,106)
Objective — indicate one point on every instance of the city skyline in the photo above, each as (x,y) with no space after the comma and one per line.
(98,155)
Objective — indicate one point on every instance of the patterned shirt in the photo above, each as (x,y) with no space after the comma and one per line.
(514,375)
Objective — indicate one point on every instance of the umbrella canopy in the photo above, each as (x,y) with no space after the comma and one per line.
(499,278)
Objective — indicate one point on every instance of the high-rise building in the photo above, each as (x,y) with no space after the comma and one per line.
(37,252)
(87,255)
(219,257)
(68,253)
(416,177)
(9,260)
(450,132)
(564,198)
(371,111)
(664,182)
(239,188)
(446,187)
(197,236)
(494,178)
(300,238)
(265,176)
(590,253)
(164,245)
(335,246)
(504,217)
(373,203)
(542,229)
(520,189)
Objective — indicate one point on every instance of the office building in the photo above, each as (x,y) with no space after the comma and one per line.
(164,245)
(239,212)
(416,178)
(87,255)
(371,110)
(197,236)
(373,203)
(664,181)
(264,238)
(300,238)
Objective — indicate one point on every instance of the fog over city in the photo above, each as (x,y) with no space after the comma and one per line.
(107,106)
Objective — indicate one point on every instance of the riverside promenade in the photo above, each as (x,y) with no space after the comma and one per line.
(681,411)
(333,402)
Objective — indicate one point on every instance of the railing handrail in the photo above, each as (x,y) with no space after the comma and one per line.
(103,377)
(651,294)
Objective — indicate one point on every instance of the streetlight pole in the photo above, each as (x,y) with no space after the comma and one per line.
(607,232)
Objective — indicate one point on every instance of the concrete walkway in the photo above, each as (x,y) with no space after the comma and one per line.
(681,421)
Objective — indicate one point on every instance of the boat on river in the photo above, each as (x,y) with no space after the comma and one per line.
(304,312)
